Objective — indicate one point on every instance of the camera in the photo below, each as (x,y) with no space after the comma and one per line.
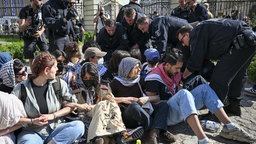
(101,13)
(71,14)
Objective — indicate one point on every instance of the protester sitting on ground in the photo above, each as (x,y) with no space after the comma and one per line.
(89,43)
(13,117)
(115,60)
(102,115)
(152,59)
(61,62)
(128,89)
(95,55)
(44,105)
(11,73)
(4,58)
(73,59)
(162,84)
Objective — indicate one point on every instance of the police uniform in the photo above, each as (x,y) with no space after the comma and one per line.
(54,11)
(214,39)
(199,14)
(181,13)
(118,41)
(163,32)
(29,41)
(135,6)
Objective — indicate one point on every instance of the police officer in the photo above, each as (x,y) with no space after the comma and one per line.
(32,28)
(181,11)
(232,44)
(112,37)
(57,19)
(162,31)
(197,12)
(135,4)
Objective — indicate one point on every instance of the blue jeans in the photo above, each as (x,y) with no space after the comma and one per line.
(185,103)
(65,133)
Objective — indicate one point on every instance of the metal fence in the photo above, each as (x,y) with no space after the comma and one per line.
(217,7)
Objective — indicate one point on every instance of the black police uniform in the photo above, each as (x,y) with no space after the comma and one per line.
(181,13)
(118,41)
(53,13)
(213,39)
(163,32)
(30,42)
(133,5)
(199,14)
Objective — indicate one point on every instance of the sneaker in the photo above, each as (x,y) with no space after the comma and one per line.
(134,134)
(250,92)
(167,137)
(237,134)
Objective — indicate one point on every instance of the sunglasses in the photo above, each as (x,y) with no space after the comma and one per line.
(181,40)
(23,73)
(72,3)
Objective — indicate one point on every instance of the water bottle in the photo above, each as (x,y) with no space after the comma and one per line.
(138,141)
(210,125)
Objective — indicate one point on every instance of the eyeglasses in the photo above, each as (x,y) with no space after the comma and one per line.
(23,73)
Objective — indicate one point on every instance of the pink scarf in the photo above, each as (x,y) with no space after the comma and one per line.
(170,82)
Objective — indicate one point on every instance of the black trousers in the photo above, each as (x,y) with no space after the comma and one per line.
(228,75)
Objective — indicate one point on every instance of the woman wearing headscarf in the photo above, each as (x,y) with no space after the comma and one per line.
(128,88)
(11,73)
(102,115)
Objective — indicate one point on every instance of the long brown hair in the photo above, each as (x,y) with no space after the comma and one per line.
(41,61)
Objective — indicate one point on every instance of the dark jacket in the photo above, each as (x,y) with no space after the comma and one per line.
(180,13)
(212,39)
(199,14)
(53,13)
(133,5)
(163,31)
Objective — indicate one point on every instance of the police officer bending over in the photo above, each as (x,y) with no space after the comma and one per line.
(57,18)
(32,28)
(232,43)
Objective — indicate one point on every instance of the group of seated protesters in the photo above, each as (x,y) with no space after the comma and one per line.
(118,102)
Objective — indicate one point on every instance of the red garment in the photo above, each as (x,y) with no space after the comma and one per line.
(170,82)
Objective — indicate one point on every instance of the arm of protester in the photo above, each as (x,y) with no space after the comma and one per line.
(153,97)
(186,74)
(126,100)
(84,106)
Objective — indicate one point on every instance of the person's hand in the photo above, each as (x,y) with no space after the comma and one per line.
(129,100)
(40,121)
(37,34)
(28,21)
(143,100)
(47,116)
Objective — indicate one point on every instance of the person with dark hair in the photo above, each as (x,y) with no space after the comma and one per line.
(115,60)
(217,39)
(112,37)
(181,11)
(128,88)
(95,96)
(4,58)
(197,13)
(45,108)
(136,38)
(163,84)
(135,4)
(58,21)
(89,43)
(32,27)
(162,31)
(61,61)
(11,73)
(135,53)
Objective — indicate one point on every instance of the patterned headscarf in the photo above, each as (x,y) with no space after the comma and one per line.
(7,74)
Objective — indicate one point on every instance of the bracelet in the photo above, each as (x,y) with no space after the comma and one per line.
(31,120)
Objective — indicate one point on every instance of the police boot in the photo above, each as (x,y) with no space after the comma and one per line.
(152,136)
(233,108)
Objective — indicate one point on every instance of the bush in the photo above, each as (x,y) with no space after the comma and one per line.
(15,47)
(251,72)
(88,35)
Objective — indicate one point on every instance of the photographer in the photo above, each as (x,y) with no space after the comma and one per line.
(100,19)
(58,20)
(32,28)
(77,30)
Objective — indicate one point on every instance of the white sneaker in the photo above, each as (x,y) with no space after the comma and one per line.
(250,92)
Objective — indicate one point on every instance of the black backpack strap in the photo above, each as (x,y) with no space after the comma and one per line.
(23,94)
(57,89)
